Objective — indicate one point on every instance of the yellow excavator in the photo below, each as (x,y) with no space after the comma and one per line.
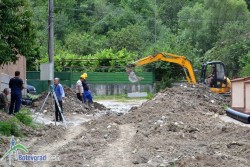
(216,80)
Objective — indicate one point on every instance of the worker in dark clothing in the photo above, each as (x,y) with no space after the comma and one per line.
(86,92)
(211,77)
(59,94)
(4,103)
(16,86)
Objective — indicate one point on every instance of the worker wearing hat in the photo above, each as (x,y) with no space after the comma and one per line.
(86,92)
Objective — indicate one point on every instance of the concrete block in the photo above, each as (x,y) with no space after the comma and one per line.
(138,94)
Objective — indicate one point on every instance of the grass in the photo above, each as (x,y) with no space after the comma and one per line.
(33,97)
(24,116)
(12,125)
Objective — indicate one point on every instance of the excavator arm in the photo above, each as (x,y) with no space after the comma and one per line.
(166,57)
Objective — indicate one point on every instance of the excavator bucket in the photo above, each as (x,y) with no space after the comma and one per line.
(132,77)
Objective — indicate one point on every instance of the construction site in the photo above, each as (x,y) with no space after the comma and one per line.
(114,83)
(179,126)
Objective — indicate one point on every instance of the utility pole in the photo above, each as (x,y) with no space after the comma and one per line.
(155,26)
(51,37)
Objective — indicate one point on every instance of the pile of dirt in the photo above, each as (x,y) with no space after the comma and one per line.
(70,103)
(179,100)
(181,125)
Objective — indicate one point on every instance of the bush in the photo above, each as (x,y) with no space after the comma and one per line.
(5,128)
(150,96)
(164,83)
(24,116)
(10,127)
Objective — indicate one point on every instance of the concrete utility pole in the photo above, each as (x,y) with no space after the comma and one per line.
(51,37)
(155,26)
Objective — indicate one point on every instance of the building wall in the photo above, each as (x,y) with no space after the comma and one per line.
(8,71)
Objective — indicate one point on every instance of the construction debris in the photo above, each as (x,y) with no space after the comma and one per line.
(180,126)
(70,103)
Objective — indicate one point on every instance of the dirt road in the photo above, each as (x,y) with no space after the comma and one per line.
(119,152)
(180,127)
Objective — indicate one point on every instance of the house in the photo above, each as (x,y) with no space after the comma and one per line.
(8,71)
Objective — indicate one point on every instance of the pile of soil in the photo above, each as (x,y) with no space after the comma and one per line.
(179,126)
(70,103)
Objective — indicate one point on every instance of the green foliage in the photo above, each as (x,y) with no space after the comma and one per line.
(106,60)
(126,30)
(245,61)
(17,31)
(150,96)
(168,12)
(232,47)
(165,82)
(83,43)
(130,38)
(33,96)
(24,116)
(5,128)
(10,127)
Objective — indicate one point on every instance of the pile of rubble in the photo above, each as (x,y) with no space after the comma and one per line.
(179,126)
(70,103)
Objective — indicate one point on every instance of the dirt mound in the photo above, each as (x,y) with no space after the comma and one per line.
(4,116)
(181,125)
(70,103)
(179,100)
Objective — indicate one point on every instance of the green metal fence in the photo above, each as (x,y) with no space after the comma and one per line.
(70,78)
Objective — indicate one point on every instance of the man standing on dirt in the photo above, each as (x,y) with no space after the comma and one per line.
(79,89)
(16,86)
(4,103)
(86,94)
(59,94)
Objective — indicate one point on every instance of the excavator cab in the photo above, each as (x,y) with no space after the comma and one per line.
(213,75)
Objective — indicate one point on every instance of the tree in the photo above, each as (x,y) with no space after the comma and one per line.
(168,12)
(17,31)
(191,23)
(232,48)
(130,38)
(248,4)
(84,43)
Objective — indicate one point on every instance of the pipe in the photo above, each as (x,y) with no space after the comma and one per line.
(238,115)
